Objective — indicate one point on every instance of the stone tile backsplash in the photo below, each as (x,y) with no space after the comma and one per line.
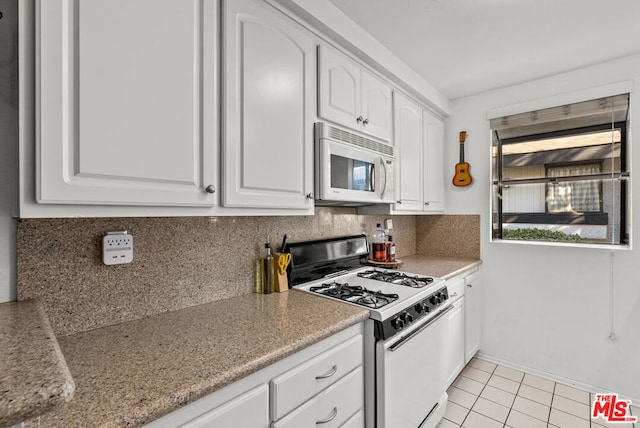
(178,262)
(448,236)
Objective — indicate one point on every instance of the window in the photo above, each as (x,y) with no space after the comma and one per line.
(560,174)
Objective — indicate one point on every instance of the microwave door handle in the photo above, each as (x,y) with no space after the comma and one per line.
(372,178)
(384,170)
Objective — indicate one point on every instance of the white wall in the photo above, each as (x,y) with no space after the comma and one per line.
(8,145)
(549,308)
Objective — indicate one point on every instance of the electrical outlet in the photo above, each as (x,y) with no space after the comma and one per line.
(117,248)
(388,224)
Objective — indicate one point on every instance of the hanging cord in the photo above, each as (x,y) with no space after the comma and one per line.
(612,332)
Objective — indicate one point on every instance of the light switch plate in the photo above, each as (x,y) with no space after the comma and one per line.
(117,248)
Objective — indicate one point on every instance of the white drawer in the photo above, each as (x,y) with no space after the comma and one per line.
(299,384)
(331,408)
(455,289)
(356,421)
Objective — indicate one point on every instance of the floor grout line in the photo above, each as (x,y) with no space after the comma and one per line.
(542,400)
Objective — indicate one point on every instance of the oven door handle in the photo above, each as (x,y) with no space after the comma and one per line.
(403,340)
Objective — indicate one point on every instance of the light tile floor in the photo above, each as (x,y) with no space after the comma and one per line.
(487,395)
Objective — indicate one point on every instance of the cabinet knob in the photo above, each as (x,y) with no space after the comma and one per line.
(359,119)
(210,188)
(426,203)
(470,285)
(399,202)
(366,121)
(309,195)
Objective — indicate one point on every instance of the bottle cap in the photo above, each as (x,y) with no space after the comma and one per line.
(267,245)
(378,225)
(389,238)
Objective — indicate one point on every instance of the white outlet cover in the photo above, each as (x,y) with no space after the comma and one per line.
(117,248)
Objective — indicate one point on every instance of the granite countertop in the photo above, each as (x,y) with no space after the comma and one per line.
(443,267)
(33,375)
(131,373)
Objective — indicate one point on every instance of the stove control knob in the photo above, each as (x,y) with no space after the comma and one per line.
(397,323)
(426,308)
(435,300)
(406,317)
(418,308)
(444,296)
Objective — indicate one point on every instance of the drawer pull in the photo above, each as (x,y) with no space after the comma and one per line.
(333,371)
(330,418)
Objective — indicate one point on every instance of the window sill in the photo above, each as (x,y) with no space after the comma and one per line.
(608,247)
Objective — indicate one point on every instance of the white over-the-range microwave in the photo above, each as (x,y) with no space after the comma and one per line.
(351,169)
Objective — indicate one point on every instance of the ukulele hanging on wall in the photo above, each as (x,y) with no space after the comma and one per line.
(462,177)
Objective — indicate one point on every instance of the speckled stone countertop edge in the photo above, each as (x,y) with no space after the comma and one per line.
(438,266)
(114,388)
(39,380)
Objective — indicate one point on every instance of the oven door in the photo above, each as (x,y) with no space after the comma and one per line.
(411,371)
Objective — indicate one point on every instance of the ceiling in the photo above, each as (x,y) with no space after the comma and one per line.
(463,47)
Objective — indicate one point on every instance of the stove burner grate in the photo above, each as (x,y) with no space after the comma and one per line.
(400,278)
(355,294)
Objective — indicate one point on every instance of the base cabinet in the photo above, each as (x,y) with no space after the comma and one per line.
(464,321)
(455,361)
(473,315)
(322,385)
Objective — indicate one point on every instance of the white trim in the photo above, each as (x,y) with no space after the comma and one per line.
(618,88)
(622,247)
(554,378)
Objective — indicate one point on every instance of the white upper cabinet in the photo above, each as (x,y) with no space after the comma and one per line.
(126,102)
(269,99)
(408,139)
(351,96)
(419,138)
(433,162)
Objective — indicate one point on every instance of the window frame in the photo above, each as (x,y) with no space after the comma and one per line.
(497,235)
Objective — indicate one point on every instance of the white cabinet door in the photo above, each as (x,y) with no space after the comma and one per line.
(339,88)
(269,99)
(376,107)
(352,96)
(456,340)
(408,140)
(126,102)
(433,131)
(473,316)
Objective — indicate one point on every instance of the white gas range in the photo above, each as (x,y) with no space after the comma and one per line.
(406,334)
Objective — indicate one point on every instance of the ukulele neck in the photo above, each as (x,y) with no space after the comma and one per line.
(461,152)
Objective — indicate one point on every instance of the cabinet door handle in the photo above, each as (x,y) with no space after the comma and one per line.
(454,294)
(470,285)
(333,371)
(359,119)
(365,122)
(210,188)
(330,418)
(309,195)
(427,203)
